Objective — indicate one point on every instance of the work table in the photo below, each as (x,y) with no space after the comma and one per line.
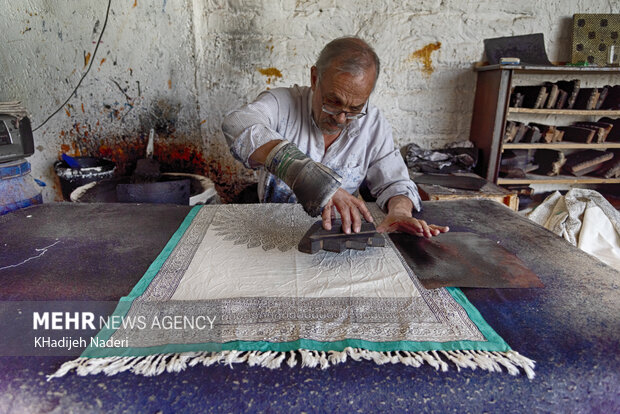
(98,252)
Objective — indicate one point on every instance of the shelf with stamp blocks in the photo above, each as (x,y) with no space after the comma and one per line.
(584,152)
(581,147)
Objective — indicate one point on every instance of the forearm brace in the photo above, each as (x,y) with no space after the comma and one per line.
(312,182)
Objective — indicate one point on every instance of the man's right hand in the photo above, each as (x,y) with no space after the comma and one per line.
(351,210)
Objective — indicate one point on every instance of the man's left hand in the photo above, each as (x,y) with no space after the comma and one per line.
(408,224)
(399,218)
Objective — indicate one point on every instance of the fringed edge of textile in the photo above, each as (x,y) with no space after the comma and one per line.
(157,364)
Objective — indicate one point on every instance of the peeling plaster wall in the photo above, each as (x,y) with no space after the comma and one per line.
(142,77)
(179,65)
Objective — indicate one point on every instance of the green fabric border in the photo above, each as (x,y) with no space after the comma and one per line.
(153,269)
(125,302)
(493,341)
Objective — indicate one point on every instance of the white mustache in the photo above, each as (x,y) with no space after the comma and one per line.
(336,124)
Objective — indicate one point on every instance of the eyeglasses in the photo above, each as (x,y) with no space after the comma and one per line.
(333,111)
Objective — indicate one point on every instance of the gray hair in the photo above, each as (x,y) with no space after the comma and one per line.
(351,55)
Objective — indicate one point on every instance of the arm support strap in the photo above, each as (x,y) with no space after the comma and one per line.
(313,183)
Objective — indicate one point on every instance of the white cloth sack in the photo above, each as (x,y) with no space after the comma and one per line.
(584,218)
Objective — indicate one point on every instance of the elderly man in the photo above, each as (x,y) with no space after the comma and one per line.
(318,144)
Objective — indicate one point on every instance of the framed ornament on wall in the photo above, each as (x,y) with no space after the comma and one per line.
(596,39)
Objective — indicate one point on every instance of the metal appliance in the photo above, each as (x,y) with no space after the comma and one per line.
(15,138)
(17,187)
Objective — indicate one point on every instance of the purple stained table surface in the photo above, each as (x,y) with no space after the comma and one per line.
(571,327)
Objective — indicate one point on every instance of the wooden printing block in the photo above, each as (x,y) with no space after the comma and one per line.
(602,129)
(572,89)
(587,98)
(532,135)
(516,99)
(577,134)
(534,96)
(611,169)
(614,134)
(562,98)
(334,240)
(584,162)
(554,91)
(612,101)
(550,162)
(602,97)
(522,129)
(547,131)
(510,132)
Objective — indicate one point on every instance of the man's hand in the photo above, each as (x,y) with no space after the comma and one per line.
(393,222)
(399,218)
(351,210)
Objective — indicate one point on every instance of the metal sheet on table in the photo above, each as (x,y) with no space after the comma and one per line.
(463,259)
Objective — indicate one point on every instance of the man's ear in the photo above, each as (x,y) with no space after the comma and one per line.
(314,77)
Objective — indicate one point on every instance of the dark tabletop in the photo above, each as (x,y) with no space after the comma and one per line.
(571,327)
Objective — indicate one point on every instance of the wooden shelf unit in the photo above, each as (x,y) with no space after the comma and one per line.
(561,145)
(558,179)
(591,112)
(491,111)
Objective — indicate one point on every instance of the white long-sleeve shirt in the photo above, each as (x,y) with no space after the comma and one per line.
(364,150)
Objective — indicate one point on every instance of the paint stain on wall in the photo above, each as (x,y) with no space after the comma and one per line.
(175,151)
(180,157)
(86,59)
(271,73)
(230,177)
(162,116)
(424,55)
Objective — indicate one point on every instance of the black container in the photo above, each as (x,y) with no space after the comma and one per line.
(91,169)
(172,191)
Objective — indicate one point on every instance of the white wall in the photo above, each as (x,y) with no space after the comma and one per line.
(181,64)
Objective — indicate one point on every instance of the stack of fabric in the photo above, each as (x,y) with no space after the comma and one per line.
(585,219)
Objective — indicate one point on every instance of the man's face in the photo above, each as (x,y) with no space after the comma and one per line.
(338,92)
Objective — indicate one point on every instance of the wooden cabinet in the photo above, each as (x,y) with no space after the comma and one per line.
(491,111)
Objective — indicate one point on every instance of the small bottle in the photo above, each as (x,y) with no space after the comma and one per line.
(611,56)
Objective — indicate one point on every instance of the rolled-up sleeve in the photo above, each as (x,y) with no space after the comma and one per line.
(251,126)
(387,174)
